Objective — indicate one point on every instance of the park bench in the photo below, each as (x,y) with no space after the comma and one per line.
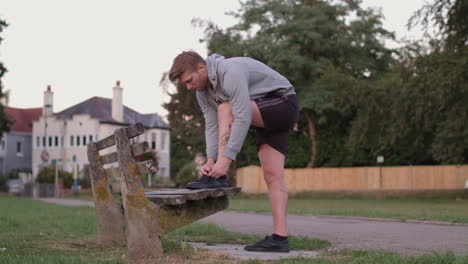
(142,217)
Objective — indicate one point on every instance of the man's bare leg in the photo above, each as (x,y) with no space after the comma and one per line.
(225,119)
(272,164)
(273,172)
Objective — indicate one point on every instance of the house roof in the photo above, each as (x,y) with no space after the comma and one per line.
(101,109)
(23,118)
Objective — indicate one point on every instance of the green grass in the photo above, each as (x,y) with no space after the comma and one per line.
(210,233)
(439,209)
(432,206)
(36,232)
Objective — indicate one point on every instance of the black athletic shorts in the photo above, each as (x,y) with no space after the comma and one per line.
(279,114)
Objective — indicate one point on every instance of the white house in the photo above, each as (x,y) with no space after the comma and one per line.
(61,138)
(15,145)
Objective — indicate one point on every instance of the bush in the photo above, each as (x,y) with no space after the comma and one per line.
(85,182)
(47,175)
(4,178)
(187,174)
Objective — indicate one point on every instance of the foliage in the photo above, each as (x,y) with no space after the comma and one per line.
(5,122)
(186,174)
(425,95)
(318,47)
(47,175)
(450,20)
(85,182)
(358,98)
(4,178)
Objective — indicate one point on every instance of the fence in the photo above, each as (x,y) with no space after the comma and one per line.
(404,178)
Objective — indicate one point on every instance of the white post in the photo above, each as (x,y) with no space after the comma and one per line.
(57,195)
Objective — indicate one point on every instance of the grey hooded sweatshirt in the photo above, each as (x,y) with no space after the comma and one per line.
(236,80)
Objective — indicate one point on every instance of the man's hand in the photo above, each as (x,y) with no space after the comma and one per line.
(207,167)
(220,168)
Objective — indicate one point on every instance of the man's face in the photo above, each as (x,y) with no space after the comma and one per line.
(196,80)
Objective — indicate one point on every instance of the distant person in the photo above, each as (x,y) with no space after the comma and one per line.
(235,94)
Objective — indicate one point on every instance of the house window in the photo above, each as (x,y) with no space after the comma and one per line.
(163,141)
(84,140)
(3,144)
(43,141)
(61,141)
(50,141)
(153,140)
(71,141)
(78,140)
(56,141)
(38,141)
(90,138)
(18,148)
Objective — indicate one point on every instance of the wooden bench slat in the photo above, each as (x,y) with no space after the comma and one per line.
(112,173)
(167,199)
(147,167)
(140,148)
(137,149)
(144,168)
(193,194)
(132,131)
(109,158)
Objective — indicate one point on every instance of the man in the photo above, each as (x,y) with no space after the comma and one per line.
(235,94)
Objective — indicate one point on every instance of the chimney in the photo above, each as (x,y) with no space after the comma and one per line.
(48,108)
(117,106)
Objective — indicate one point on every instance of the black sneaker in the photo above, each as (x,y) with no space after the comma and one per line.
(269,245)
(207,182)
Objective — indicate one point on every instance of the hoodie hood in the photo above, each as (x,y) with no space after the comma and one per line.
(212,63)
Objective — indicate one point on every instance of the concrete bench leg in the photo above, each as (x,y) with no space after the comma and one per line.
(146,222)
(109,213)
(171,217)
(141,215)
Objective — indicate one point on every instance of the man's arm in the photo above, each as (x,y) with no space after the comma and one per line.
(211,126)
(236,87)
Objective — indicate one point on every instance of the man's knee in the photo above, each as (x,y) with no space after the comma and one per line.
(272,176)
(276,181)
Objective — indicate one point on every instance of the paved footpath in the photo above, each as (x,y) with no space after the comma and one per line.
(347,233)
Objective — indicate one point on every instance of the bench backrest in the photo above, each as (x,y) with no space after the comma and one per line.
(139,153)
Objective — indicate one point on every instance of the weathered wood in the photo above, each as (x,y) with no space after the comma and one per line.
(147,215)
(137,150)
(109,232)
(147,167)
(144,168)
(172,196)
(132,131)
(140,148)
(162,199)
(171,217)
(142,216)
(109,158)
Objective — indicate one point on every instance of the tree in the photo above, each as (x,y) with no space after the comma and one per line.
(317,46)
(450,19)
(425,94)
(5,122)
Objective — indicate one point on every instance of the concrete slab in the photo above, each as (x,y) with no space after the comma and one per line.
(237,251)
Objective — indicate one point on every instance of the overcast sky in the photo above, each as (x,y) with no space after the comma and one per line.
(81,48)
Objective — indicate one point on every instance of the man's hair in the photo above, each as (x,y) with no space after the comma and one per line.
(187,61)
